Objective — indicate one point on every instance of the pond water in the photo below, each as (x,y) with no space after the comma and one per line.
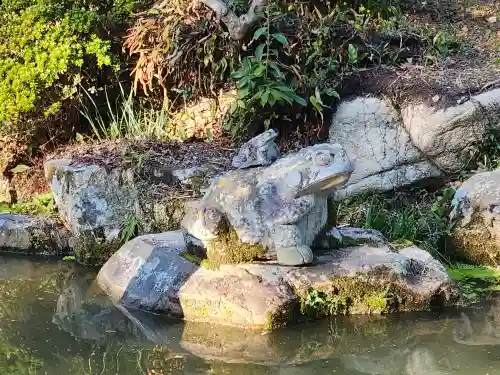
(54,320)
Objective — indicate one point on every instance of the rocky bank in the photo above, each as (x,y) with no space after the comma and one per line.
(245,237)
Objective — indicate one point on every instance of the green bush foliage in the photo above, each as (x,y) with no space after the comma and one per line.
(287,71)
(49,48)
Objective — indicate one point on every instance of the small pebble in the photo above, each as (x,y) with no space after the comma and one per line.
(436,98)
(492,19)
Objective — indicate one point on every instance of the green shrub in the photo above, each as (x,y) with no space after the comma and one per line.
(49,48)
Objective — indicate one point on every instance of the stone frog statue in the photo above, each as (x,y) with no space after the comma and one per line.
(281,207)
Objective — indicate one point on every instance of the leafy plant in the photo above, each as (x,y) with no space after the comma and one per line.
(40,205)
(46,46)
(262,80)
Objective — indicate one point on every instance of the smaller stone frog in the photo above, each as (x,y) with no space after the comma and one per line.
(258,151)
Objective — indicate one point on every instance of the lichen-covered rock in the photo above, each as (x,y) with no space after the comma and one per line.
(394,149)
(100,196)
(33,235)
(275,211)
(476,210)
(371,131)
(258,151)
(157,273)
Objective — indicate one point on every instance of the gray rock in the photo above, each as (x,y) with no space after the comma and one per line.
(346,236)
(280,208)
(393,150)
(29,234)
(370,129)
(258,151)
(96,202)
(151,274)
(446,136)
(476,213)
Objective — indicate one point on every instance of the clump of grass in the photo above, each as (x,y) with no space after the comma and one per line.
(125,119)
(416,217)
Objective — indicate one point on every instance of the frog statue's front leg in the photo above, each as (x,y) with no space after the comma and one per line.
(289,243)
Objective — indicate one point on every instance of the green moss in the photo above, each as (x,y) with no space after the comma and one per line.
(41,241)
(475,281)
(228,249)
(376,293)
(93,250)
(281,318)
(376,301)
(209,265)
(191,258)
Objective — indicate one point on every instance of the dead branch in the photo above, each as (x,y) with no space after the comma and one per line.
(238,27)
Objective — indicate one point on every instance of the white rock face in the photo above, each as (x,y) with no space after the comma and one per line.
(447,135)
(393,150)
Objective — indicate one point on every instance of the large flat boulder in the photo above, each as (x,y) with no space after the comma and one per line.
(419,142)
(476,210)
(157,273)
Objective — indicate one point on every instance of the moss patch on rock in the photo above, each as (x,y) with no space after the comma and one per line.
(228,249)
(92,249)
(378,292)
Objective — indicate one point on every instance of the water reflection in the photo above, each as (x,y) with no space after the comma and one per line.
(55,320)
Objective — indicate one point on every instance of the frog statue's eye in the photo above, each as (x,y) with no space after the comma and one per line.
(323,159)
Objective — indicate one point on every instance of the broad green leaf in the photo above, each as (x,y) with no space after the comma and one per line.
(259,70)
(300,100)
(259,32)
(333,93)
(259,51)
(20,168)
(280,38)
(353,54)
(243,93)
(264,98)
(238,74)
(315,103)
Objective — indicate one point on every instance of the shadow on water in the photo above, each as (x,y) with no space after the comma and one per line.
(55,320)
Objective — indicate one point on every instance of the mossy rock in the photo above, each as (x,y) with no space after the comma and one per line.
(228,249)
(477,242)
(378,292)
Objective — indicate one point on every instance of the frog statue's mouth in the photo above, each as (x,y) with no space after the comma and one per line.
(326,178)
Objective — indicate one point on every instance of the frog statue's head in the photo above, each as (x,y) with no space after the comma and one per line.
(314,169)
